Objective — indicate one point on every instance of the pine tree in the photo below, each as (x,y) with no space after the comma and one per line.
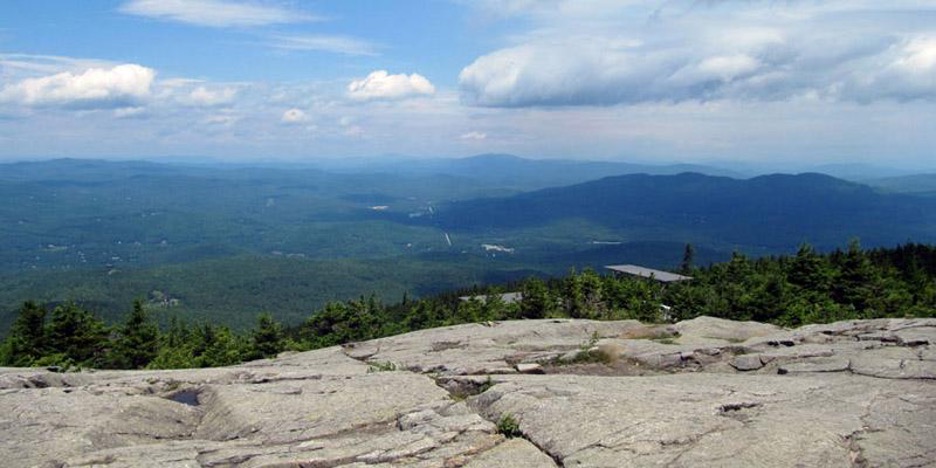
(810,271)
(26,342)
(267,339)
(857,281)
(536,301)
(687,260)
(76,336)
(138,343)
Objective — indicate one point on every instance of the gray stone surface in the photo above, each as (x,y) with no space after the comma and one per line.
(705,392)
(747,362)
(515,453)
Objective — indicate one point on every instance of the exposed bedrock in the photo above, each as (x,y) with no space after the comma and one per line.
(705,392)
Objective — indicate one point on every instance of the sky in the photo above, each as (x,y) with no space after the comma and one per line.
(795,82)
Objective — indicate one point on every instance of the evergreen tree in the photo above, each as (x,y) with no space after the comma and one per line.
(810,272)
(574,296)
(220,347)
(138,343)
(687,260)
(536,302)
(857,281)
(267,339)
(76,336)
(26,342)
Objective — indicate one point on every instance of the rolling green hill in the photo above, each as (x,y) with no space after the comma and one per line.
(766,214)
(920,184)
(224,243)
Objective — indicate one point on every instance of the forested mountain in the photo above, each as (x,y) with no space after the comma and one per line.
(766,212)
(922,184)
(223,243)
(529,174)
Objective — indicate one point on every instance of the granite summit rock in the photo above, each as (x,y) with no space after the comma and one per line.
(705,392)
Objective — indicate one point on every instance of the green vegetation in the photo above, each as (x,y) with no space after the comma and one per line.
(508,426)
(384,366)
(762,215)
(808,287)
(223,244)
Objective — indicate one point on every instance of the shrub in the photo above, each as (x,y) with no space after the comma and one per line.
(508,426)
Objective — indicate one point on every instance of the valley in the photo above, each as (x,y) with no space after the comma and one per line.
(224,243)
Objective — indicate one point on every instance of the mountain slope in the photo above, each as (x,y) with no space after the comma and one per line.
(774,211)
(920,184)
(509,171)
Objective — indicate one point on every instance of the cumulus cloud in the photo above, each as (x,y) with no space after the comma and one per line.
(909,72)
(725,51)
(382,85)
(215,13)
(96,88)
(292,116)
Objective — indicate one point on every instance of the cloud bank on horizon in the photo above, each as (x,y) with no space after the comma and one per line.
(670,80)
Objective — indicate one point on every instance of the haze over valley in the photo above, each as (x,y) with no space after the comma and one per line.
(227,242)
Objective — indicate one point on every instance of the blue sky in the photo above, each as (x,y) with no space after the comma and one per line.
(777,82)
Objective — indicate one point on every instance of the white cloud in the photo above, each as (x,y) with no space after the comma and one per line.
(583,53)
(919,56)
(728,67)
(325,43)
(354,131)
(474,136)
(583,72)
(121,86)
(129,112)
(292,116)
(905,71)
(216,13)
(382,85)
(222,119)
(31,65)
(499,9)
(204,96)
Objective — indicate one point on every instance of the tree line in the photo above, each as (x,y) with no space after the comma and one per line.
(808,287)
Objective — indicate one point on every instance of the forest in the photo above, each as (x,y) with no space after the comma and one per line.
(222,243)
(790,290)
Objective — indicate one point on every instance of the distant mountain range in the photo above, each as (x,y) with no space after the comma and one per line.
(767,212)
(511,171)
(227,241)
(922,184)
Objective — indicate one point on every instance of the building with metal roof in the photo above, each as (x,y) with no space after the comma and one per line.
(507,298)
(649,273)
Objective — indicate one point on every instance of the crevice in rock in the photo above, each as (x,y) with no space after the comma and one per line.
(465,388)
(741,412)
(462,388)
(555,457)
(855,452)
(730,407)
(688,444)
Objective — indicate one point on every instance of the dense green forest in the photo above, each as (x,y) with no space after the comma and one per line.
(223,243)
(764,215)
(808,287)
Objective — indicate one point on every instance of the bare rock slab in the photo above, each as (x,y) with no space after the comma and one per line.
(706,392)
(707,419)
